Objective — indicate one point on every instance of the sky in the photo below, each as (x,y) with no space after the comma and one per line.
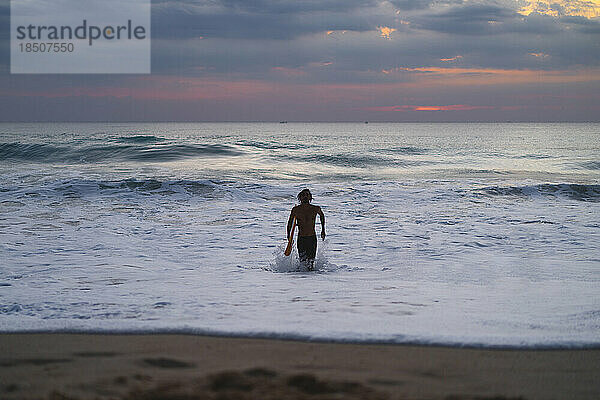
(337,60)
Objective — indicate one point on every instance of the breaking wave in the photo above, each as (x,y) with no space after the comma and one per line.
(355,161)
(82,188)
(46,153)
(568,190)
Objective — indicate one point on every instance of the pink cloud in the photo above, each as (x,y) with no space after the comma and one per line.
(455,58)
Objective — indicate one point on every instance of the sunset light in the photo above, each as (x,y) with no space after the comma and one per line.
(300,200)
(558,8)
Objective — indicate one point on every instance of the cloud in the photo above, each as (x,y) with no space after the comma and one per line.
(409,5)
(490,77)
(386,32)
(455,58)
(294,6)
(540,55)
(559,8)
(263,19)
(582,24)
(470,19)
(242,37)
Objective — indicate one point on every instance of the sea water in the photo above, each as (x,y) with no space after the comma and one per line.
(456,234)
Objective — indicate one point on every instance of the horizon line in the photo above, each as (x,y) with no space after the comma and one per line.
(309,122)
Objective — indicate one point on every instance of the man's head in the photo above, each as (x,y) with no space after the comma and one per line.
(305,196)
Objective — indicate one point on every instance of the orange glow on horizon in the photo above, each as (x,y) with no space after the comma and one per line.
(451,107)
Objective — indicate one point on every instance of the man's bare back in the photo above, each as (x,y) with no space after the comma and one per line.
(306,215)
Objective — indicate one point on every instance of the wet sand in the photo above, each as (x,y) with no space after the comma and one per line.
(92,366)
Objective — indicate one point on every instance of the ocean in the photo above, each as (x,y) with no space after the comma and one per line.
(445,234)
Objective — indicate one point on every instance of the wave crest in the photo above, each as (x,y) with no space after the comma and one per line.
(117,152)
(140,139)
(568,190)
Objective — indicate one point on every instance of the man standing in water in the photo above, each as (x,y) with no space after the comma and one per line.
(306,214)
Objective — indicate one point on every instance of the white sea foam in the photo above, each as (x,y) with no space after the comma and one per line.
(292,263)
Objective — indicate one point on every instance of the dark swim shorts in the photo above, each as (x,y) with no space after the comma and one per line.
(307,247)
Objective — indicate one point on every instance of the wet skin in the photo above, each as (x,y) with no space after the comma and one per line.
(306,215)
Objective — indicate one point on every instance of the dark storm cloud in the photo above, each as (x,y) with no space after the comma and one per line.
(273,6)
(482,19)
(278,34)
(362,57)
(247,38)
(490,36)
(262,19)
(408,5)
(583,24)
(411,4)
(534,24)
(295,6)
(284,20)
(467,20)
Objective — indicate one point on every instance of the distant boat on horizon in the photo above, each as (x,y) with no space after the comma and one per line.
(283,122)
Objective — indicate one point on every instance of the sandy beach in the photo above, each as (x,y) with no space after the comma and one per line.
(91,366)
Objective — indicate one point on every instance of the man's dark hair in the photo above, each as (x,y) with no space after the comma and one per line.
(305,194)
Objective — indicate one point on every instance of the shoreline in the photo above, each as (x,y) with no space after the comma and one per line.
(308,339)
(104,365)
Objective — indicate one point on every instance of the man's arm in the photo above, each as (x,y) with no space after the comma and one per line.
(322,217)
(290,223)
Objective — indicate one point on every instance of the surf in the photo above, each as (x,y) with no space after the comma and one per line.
(286,264)
(138,150)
